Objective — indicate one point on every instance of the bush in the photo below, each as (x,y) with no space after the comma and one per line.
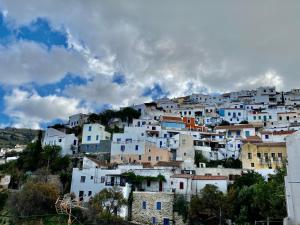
(34,199)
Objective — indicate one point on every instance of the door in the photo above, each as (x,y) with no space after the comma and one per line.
(166,221)
(160,185)
(81,193)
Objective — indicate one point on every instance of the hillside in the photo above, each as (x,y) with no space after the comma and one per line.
(9,137)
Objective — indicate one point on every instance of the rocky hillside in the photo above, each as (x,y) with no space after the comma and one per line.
(9,137)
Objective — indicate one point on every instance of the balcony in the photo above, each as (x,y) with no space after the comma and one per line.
(111,184)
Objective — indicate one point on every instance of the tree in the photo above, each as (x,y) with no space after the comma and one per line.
(107,203)
(224,123)
(34,199)
(93,118)
(208,205)
(181,206)
(199,158)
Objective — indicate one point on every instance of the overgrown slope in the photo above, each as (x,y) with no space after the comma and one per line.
(9,137)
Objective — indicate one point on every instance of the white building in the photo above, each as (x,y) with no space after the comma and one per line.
(292,180)
(234,116)
(190,184)
(78,119)
(67,142)
(94,133)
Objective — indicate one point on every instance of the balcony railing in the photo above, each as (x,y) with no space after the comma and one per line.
(121,184)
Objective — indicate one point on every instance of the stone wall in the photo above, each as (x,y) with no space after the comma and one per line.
(145,216)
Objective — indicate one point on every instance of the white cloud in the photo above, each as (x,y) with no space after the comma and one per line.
(30,109)
(25,62)
(183,47)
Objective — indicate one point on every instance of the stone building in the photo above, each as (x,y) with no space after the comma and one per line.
(153,207)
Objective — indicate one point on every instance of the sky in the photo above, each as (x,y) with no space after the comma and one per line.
(59,58)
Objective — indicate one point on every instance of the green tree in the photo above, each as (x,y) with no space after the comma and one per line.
(199,158)
(107,203)
(181,206)
(208,205)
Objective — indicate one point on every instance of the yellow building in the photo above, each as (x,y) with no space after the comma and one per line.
(263,155)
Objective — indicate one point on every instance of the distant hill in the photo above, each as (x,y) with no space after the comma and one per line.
(9,137)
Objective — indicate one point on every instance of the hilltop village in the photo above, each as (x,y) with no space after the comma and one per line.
(178,147)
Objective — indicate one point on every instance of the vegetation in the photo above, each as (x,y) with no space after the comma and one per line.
(207,206)
(137,180)
(181,206)
(224,123)
(126,115)
(9,137)
(103,208)
(226,163)
(33,199)
(249,199)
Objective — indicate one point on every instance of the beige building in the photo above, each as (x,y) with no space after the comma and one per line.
(151,155)
(258,156)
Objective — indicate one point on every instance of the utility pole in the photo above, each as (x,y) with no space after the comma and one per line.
(220,220)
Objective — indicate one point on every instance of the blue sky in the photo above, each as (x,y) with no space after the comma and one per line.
(40,32)
(59,58)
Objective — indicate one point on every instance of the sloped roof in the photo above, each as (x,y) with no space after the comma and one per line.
(199,177)
(203,177)
(168,164)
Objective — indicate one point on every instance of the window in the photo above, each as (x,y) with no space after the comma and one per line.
(239,114)
(82,179)
(90,128)
(89,138)
(118,139)
(97,137)
(258,155)
(238,133)
(229,114)
(165,135)
(229,133)
(252,164)
(92,177)
(266,155)
(181,186)
(149,158)
(247,133)
(136,147)
(140,157)
(270,117)
(254,117)
(280,118)
(267,136)
(59,140)
(273,155)
(153,220)
(122,148)
(148,183)
(89,193)
(280,155)
(144,205)
(102,179)
(128,140)
(158,205)
(249,155)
